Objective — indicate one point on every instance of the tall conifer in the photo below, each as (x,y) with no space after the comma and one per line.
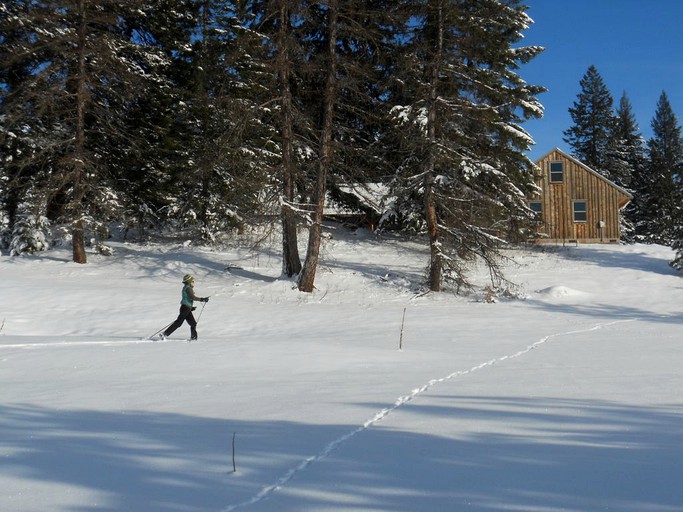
(626,152)
(86,67)
(593,118)
(659,192)
(458,103)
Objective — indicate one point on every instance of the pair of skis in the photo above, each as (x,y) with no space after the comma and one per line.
(162,339)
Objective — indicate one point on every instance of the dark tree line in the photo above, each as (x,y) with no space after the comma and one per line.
(609,141)
(204,115)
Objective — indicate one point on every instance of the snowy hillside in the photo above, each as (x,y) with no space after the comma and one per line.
(568,397)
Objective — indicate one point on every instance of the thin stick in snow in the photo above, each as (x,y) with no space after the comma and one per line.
(234,466)
(400,339)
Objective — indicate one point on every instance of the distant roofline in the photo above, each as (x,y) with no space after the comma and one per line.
(580,163)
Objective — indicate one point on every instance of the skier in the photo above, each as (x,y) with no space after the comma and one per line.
(186,309)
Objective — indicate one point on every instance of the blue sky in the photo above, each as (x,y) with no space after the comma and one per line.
(636,46)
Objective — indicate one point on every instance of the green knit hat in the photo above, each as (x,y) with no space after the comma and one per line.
(187,278)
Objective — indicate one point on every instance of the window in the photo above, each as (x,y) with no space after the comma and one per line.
(556,172)
(537,208)
(580,212)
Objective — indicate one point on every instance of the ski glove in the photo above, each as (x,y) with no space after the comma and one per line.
(205,299)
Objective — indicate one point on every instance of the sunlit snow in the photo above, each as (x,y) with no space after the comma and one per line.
(366,395)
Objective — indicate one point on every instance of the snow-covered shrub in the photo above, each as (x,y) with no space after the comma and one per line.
(104,250)
(678,262)
(30,234)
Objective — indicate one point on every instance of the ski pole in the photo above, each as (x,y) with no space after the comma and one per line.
(201,311)
(162,329)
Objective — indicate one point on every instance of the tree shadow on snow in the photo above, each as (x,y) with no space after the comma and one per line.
(607,256)
(607,311)
(512,454)
(505,454)
(154,261)
(253,276)
(130,461)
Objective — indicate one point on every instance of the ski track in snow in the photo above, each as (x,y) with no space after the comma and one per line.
(266,491)
(83,343)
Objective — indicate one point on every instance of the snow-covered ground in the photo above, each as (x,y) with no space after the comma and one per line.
(567,398)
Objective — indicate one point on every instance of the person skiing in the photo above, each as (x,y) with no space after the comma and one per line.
(186,309)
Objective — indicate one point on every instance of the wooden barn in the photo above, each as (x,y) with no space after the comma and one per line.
(576,204)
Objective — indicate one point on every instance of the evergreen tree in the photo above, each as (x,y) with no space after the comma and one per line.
(626,153)
(329,105)
(330,12)
(593,118)
(626,161)
(194,111)
(677,245)
(85,68)
(458,102)
(285,58)
(20,131)
(154,140)
(230,149)
(30,234)
(291,263)
(659,192)
(218,145)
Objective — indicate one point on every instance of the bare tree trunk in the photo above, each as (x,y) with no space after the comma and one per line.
(435,260)
(436,257)
(291,264)
(307,277)
(77,232)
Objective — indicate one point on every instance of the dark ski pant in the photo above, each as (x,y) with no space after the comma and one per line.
(184,315)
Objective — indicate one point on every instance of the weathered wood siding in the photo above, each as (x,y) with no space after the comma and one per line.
(603,201)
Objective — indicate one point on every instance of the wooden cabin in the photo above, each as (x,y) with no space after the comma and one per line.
(576,204)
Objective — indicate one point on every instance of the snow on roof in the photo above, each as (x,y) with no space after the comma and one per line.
(372,195)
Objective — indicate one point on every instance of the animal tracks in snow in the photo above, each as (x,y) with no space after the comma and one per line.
(266,491)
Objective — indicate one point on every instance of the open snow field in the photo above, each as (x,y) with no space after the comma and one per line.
(569,398)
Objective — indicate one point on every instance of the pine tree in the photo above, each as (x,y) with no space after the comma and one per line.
(626,153)
(227,147)
(338,94)
(659,192)
(86,67)
(677,245)
(20,132)
(593,118)
(153,136)
(626,161)
(29,235)
(458,102)
(326,150)
(287,58)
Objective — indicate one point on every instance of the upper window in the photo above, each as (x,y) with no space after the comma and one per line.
(580,212)
(556,172)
